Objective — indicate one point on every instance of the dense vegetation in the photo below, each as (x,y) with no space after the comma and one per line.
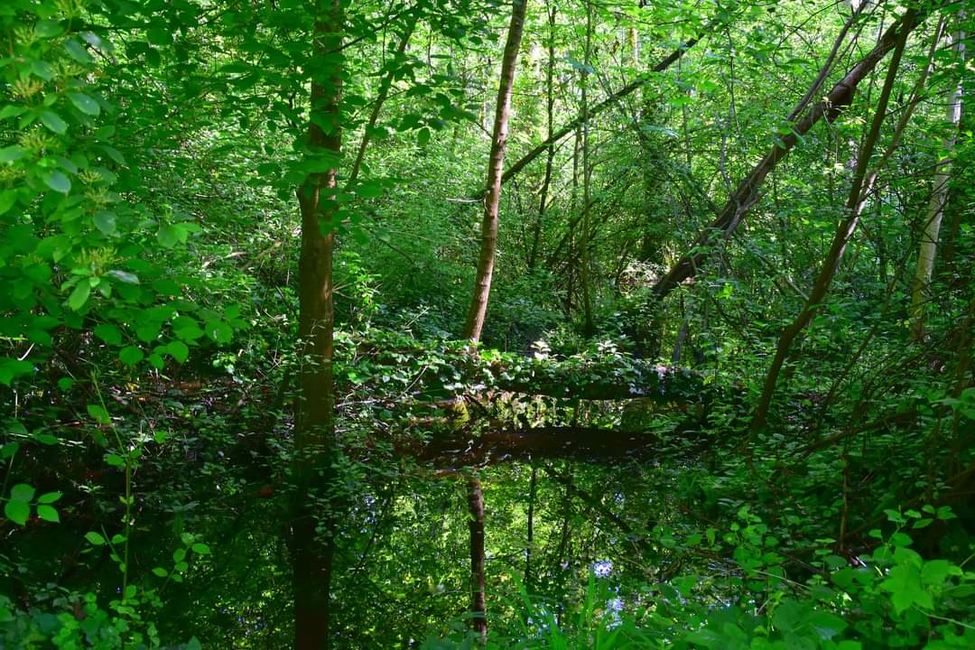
(453,323)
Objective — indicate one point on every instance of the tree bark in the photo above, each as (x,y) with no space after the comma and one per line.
(312,533)
(841,238)
(475,505)
(939,197)
(499,139)
(482,290)
(747,192)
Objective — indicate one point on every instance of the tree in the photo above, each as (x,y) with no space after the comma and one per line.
(312,527)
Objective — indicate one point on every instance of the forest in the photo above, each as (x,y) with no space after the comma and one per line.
(445,324)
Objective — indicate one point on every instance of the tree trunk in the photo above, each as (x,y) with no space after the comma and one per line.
(747,193)
(606,104)
(482,290)
(312,533)
(492,199)
(844,231)
(475,505)
(939,197)
(530,537)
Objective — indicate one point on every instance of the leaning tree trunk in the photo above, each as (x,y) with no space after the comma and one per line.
(482,290)
(492,199)
(939,197)
(844,231)
(747,192)
(312,532)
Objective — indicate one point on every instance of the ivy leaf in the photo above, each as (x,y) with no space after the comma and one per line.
(17,511)
(53,121)
(47,513)
(85,104)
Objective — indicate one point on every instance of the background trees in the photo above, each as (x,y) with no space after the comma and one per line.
(237,242)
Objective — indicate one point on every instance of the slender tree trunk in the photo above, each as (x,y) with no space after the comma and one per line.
(475,505)
(550,157)
(939,197)
(482,290)
(844,231)
(747,192)
(607,103)
(312,532)
(499,139)
(384,87)
(584,240)
(530,536)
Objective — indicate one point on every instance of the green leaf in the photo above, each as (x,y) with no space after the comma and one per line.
(53,121)
(17,511)
(123,276)
(8,198)
(130,355)
(98,413)
(161,572)
(159,36)
(178,350)
(202,549)
(167,236)
(22,492)
(49,497)
(105,222)
(114,460)
(79,296)
(109,333)
(94,538)
(42,69)
(12,153)
(57,181)
(85,104)
(47,513)
(48,28)
(77,52)
(10,369)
